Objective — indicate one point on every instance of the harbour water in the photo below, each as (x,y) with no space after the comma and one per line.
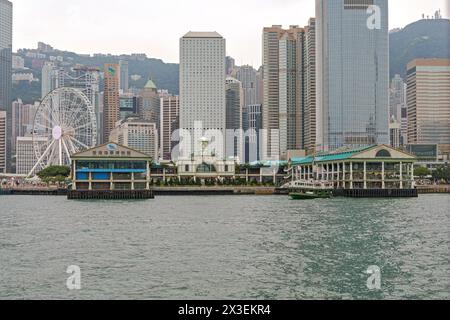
(225,247)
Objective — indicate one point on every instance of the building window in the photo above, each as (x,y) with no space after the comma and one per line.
(186,168)
(383,154)
(226,168)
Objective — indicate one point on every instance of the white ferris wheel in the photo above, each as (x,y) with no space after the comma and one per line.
(65,123)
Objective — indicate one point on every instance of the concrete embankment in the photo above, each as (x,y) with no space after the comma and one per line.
(433,189)
(201,191)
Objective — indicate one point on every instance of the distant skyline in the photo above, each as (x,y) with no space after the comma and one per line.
(155,28)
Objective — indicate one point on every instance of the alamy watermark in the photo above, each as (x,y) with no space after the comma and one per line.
(374,281)
(374,20)
(74,280)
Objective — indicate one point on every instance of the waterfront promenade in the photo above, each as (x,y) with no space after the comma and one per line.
(199,190)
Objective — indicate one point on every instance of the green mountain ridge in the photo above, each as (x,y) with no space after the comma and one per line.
(422,39)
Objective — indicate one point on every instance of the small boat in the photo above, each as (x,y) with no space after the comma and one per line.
(309,195)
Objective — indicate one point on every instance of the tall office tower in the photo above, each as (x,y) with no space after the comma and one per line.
(252,137)
(247,75)
(352,73)
(169,123)
(150,103)
(111,100)
(283,89)
(2,141)
(202,88)
(6,20)
(137,134)
(309,85)
(291,90)
(230,65)
(124,75)
(48,79)
(428,99)
(234,119)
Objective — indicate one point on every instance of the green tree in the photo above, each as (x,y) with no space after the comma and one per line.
(442,173)
(54,173)
(421,172)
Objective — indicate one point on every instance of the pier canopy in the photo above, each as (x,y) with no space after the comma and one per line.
(372,167)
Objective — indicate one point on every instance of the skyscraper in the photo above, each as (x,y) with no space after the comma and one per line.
(2,141)
(6,20)
(271,54)
(111,99)
(150,103)
(124,75)
(398,108)
(233,118)
(169,123)
(230,65)
(309,87)
(247,75)
(291,90)
(352,73)
(283,88)
(428,99)
(202,87)
(252,135)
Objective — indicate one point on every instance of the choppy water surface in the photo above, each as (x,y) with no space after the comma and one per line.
(225,248)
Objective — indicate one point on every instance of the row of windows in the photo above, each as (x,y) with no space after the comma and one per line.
(138,165)
(111,153)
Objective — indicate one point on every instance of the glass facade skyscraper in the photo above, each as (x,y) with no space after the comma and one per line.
(6,9)
(352,73)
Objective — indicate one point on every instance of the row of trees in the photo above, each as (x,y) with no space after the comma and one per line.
(442,173)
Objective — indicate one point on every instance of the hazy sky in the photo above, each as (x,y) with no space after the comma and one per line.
(155,26)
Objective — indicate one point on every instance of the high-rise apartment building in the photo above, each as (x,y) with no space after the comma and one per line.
(137,134)
(290,101)
(271,104)
(202,88)
(111,99)
(169,123)
(2,141)
(283,74)
(309,87)
(6,21)
(428,100)
(352,73)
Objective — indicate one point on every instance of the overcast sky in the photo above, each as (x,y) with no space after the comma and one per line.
(155,26)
